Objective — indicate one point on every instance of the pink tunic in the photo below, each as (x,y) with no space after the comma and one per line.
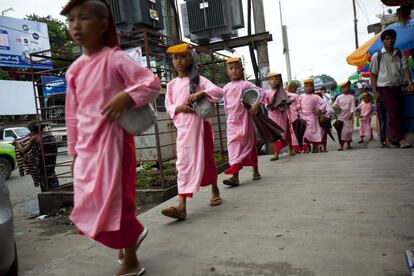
(98,143)
(241,136)
(279,116)
(190,132)
(308,104)
(346,102)
(293,114)
(366,115)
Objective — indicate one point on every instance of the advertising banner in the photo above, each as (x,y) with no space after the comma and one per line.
(19,38)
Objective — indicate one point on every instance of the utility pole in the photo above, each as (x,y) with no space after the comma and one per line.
(260,27)
(286,50)
(355,25)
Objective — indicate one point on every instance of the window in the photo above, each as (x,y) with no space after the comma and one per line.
(9,133)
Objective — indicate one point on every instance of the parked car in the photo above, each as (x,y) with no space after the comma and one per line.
(8,251)
(8,160)
(9,134)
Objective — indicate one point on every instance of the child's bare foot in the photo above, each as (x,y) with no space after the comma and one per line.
(274,157)
(232,181)
(131,270)
(179,213)
(215,199)
(141,238)
(361,141)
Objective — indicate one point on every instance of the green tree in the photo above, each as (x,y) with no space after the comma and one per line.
(60,41)
(4,75)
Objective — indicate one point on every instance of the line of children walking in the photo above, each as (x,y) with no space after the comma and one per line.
(104,82)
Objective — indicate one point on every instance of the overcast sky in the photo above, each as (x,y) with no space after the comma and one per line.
(320,32)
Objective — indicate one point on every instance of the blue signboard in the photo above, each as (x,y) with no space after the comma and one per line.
(19,38)
(53,85)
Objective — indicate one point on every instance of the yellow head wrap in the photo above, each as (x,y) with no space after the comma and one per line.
(232,60)
(273,74)
(180,49)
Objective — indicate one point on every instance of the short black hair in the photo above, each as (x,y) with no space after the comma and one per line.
(323,88)
(390,32)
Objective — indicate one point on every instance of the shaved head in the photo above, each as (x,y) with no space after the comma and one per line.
(97,7)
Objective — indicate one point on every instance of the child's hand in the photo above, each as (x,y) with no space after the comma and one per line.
(184,108)
(255,108)
(317,112)
(351,116)
(194,97)
(117,105)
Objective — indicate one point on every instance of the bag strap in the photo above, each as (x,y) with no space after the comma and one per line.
(379,55)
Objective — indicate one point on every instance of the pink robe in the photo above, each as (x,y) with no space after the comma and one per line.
(366,115)
(241,136)
(98,143)
(308,103)
(347,105)
(293,115)
(190,132)
(279,116)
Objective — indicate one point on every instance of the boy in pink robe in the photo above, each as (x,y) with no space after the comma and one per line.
(311,107)
(195,139)
(102,84)
(345,103)
(365,109)
(280,115)
(241,136)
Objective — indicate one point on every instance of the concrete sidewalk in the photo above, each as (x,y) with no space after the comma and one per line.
(335,213)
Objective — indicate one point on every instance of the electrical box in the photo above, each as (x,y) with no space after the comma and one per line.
(133,14)
(205,20)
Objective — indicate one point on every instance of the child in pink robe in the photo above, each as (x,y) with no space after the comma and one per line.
(102,84)
(241,136)
(293,116)
(365,109)
(345,103)
(311,107)
(280,115)
(195,139)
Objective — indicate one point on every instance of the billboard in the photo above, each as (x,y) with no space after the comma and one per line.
(19,38)
(17,98)
(53,85)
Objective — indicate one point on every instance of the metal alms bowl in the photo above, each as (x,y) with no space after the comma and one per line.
(204,108)
(137,120)
(250,96)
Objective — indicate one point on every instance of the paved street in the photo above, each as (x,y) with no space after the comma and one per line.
(335,213)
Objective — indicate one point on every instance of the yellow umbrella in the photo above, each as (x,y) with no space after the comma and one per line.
(360,56)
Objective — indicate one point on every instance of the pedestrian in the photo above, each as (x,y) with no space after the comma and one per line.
(36,158)
(345,106)
(278,112)
(386,81)
(241,137)
(294,115)
(326,96)
(195,138)
(365,109)
(311,107)
(101,85)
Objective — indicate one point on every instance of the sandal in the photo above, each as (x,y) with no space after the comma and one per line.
(141,238)
(230,182)
(172,212)
(215,201)
(139,273)
(257,176)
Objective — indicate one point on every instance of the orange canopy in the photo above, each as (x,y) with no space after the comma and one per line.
(360,56)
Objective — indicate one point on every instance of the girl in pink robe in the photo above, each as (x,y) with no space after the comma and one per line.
(346,104)
(241,136)
(101,85)
(365,109)
(293,115)
(311,107)
(279,115)
(195,139)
